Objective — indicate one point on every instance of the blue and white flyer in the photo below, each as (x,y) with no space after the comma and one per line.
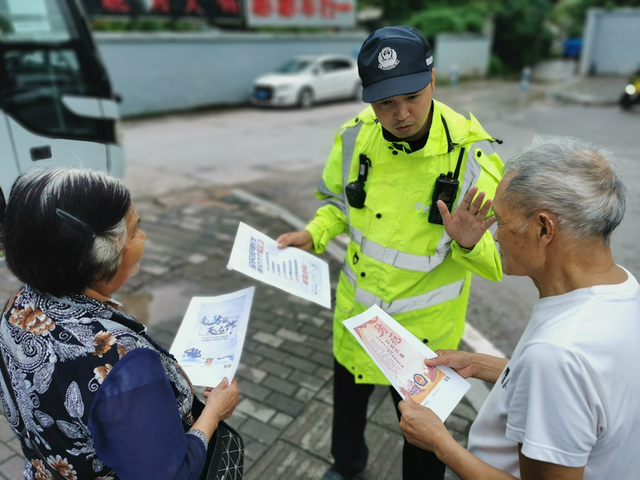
(290,269)
(210,339)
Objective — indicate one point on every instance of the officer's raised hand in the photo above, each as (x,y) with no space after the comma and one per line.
(468,222)
(301,240)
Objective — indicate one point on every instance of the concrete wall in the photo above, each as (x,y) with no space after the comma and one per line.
(611,42)
(470,53)
(164,72)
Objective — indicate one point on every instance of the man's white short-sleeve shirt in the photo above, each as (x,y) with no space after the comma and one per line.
(571,392)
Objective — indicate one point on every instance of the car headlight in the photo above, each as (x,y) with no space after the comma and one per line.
(284,88)
(630,89)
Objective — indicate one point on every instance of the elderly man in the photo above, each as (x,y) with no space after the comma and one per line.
(564,406)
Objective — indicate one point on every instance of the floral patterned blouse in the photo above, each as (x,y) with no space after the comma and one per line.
(95,393)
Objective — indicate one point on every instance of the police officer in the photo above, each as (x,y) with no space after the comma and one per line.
(390,184)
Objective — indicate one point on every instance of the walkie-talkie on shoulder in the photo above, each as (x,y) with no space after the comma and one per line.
(446,189)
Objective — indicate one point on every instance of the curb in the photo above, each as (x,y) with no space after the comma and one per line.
(582,99)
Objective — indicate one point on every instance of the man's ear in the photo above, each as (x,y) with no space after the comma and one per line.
(433,79)
(547,227)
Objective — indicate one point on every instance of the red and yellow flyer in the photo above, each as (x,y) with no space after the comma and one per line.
(401,357)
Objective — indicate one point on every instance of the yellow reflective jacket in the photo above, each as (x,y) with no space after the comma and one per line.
(396,258)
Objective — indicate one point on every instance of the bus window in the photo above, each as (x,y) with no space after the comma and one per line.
(43,57)
(34,20)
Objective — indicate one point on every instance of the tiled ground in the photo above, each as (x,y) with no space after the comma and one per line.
(285,377)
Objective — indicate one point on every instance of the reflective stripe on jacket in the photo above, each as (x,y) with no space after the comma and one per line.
(397,259)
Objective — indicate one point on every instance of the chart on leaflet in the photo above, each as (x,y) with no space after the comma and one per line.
(290,269)
(400,356)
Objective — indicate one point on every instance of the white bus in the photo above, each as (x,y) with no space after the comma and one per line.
(56,102)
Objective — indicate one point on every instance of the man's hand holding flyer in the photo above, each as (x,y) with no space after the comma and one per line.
(401,357)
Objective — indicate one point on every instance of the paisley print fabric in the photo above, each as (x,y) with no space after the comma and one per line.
(58,352)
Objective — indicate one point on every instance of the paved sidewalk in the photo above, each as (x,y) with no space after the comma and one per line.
(285,381)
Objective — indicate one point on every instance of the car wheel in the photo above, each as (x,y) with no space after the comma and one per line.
(305,98)
(357,92)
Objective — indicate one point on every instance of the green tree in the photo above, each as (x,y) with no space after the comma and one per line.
(522,35)
(448,19)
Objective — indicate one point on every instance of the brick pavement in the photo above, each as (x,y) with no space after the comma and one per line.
(285,374)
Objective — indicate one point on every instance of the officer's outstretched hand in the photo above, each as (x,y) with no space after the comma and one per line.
(301,240)
(468,222)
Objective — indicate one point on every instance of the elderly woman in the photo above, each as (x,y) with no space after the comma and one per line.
(90,395)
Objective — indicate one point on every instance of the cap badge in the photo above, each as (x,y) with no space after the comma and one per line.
(388,59)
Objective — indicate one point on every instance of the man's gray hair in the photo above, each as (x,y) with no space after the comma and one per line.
(573,179)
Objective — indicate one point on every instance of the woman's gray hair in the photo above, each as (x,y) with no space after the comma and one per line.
(65,228)
(109,243)
(108,247)
(573,179)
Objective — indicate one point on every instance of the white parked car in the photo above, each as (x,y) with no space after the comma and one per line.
(306,80)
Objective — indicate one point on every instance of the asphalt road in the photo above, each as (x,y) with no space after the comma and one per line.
(280,154)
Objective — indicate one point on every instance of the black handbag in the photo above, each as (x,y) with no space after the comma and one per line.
(225,453)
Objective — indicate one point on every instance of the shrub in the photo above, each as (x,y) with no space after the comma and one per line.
(443,19)
(522,35)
